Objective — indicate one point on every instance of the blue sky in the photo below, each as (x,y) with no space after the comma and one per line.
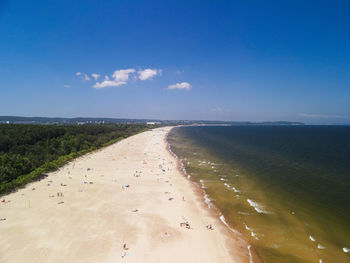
(211,60)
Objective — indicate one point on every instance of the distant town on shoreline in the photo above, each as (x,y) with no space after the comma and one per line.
(87,120)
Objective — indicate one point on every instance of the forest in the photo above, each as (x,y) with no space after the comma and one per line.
(27,152)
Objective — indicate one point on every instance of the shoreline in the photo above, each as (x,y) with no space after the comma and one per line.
(131,193)
(254,256)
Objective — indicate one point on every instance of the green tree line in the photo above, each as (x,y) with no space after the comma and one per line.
(29,151)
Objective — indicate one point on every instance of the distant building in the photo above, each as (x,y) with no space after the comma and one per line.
(152,122)
(5,122)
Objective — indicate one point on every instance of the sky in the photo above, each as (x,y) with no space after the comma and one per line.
(194,60)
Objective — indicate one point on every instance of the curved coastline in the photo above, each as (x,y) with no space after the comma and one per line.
(128,195)
(253,255)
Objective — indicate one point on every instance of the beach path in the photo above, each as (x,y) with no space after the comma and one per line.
(122,203)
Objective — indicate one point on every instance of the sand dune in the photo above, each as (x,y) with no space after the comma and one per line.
(128,193)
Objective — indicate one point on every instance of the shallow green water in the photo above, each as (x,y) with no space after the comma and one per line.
(287,188)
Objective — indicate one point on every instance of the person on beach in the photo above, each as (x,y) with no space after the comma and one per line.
(186,224)
(209,226)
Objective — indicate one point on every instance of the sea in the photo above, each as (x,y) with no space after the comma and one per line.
(285,188)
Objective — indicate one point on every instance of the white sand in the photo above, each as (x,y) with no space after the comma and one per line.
(96,219)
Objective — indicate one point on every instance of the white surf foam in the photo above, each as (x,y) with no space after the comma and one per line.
(235,189)
(222,218)
(251,231)
(250,254)
(258,208)
(319,246)
(207,200)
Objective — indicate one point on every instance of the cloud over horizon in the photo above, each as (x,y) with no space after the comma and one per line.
(122,76)
(321,116)
(219,109)
(183,85)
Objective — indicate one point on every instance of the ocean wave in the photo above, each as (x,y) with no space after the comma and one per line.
(243,213)
(319,246)
(312,238)
(222,218)
(235,189)
(251,231)
(258,208)
(207,200)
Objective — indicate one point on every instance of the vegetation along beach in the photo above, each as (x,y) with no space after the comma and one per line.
(175,131)
(127,201)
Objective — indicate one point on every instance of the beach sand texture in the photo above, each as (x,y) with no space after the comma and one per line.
(128,193)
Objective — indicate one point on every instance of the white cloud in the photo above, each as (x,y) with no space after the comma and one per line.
(321,116)
(86,77)
(218,109)
(120,77)
(149,73)
(67,86)
(82,76)
(108,83)
(95,75)
(122,74)
(183,85)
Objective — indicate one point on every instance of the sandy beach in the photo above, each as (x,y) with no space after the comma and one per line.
(125,202)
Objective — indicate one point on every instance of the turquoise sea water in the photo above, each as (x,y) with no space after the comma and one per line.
(286,188)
